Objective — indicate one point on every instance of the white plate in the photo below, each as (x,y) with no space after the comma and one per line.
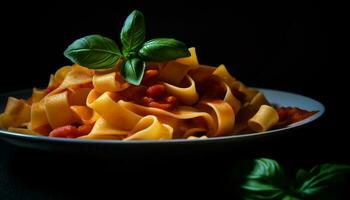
(279,98)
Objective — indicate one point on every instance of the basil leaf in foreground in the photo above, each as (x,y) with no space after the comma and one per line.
(321,179)
(93,51)
(266,181)
(132,70)
(133,32)
(163,49)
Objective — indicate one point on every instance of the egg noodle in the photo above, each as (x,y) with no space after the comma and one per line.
(176,99)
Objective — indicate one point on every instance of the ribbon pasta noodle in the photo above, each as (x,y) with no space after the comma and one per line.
(176,99)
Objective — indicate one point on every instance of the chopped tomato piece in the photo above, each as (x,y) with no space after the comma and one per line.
(151,73)
(172,100)
(85,129)
(147,100)
(156,91)
(64,131)
(133,93)
(70,131)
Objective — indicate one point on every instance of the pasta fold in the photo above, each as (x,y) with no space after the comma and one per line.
(265,118)
(149,128)
(17,112)
(187,95)
(108,82)
(111,111)
(58,110)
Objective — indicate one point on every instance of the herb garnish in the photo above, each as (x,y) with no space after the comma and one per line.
(267,180)
(98,52)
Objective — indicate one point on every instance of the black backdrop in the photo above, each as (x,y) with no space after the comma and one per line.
(275,46)
(285,46)
(280,46)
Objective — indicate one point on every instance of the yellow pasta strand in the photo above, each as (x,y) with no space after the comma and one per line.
(232,100)
(85,114)
(61,74)
(224,115)
(103,128)
(114,113)
(58,110)
(264,119)
(182,112)
(16,113)
(108,82)
(77,76)
(191,60)
(38,116)
(174,72)
(194,137)
(258,100)
(37,95)
(187,95)
(149,128)
(78,96)
(222,72)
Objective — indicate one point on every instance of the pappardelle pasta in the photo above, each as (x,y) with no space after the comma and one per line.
(176,99)
(151,90)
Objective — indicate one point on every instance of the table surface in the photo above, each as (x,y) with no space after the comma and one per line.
(31,174)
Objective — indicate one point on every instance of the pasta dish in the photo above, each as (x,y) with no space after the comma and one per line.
(176,98)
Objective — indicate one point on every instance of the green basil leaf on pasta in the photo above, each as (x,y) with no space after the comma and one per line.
(132,70)
(93,51)
(163,49)
(133,32)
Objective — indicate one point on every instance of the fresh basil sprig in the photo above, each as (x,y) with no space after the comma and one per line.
(98,52)
(93,51)
(163,49)
(132,69)
(267,180)
(320,180)
(133,33)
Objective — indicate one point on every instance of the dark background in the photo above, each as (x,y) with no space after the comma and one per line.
(286,46)
(279,46)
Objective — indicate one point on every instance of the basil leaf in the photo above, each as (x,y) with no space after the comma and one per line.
(132,70)
(93,51)
(266,181)
(302,175)
(163,49)
(321,180)
(133,32)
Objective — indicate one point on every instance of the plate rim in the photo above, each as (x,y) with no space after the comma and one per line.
(5,134)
